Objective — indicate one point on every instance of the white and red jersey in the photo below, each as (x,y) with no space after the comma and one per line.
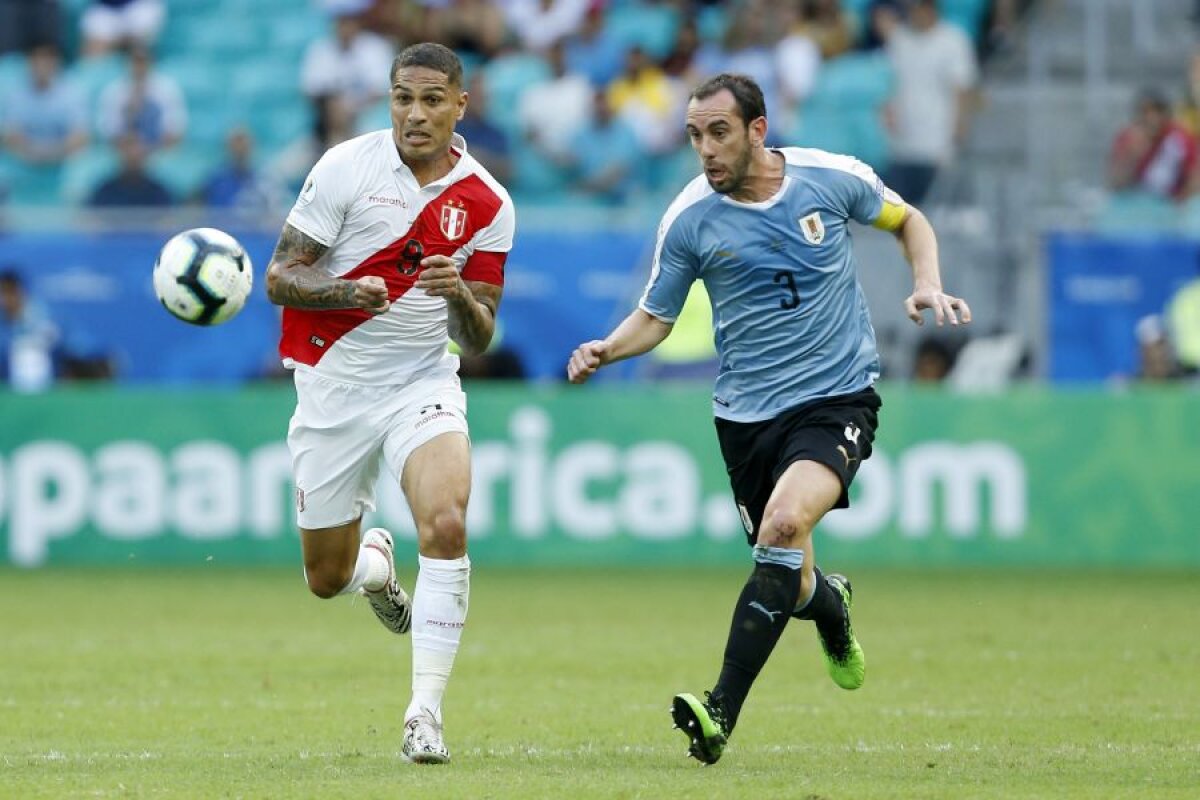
(364,204)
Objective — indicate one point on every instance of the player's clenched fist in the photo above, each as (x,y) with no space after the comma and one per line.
(371,294)
(440,278)
(586,359)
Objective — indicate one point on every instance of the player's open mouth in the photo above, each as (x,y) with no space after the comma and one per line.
(416,137)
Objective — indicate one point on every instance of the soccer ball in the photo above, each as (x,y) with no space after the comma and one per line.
(203,276)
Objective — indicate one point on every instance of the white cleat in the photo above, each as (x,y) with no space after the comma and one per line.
(390,604)
(423,741)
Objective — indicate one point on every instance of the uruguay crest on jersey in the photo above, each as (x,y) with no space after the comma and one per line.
(454,220)
(813,228)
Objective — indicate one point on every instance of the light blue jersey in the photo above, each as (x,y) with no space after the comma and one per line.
(789,318)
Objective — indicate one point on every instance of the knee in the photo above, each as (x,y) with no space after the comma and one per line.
(445,536)
(783,527)
(326,581)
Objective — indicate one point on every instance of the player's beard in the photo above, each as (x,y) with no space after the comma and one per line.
(735,176)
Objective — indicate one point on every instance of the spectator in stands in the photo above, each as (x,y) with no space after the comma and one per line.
(1156,355)
(605,155)
(348,63)
(932,361)
(747,47)
(1153,153)
(489,144)
(679,65)
(552,113)
(145,103)
(27,337)
(24,24)
(131,186)
(645,99)
(540,23)
(469,27)
(1189,108)
(797,62)
(332,124)
(113,24)
(44,120)
(236,184)
(828,25)
(936,72)
(594,51)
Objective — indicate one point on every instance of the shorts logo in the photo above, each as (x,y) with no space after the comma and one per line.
(813,228)
(454,219)
(317,340)
(747,523)
(849,458)
(852,431)
(430,413)
(299,499)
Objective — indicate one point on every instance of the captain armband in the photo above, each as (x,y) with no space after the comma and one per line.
(892,214)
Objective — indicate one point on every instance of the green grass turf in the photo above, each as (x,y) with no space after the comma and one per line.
(225,683)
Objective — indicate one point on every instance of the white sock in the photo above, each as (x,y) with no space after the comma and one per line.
(371,571)
(439,611)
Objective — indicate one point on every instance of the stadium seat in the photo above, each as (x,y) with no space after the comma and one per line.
(967,14)
(506,78)
(30,184)
(852,81)
(826,128)
(651,27)
(83,171)
(183,169)
(1136,211)
(91,75)
(13,72)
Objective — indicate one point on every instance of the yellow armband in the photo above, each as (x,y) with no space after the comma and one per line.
(891,216)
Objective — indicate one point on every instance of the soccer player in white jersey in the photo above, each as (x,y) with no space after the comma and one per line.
(767,231)
(395,245)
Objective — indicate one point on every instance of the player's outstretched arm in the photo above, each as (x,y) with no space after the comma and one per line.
(919,243)
(638,333)
(292,280)
(471,306)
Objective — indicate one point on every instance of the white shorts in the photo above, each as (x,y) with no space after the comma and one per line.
(340,431)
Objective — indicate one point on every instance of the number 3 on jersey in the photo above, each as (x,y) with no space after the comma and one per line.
(788,281)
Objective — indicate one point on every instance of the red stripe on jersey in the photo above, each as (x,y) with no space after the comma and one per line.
(486,266)
(443,226)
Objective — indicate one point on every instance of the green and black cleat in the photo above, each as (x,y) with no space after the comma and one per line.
(843,655)
(704,725)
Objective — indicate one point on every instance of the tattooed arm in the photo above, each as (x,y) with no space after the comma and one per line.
(293,281)
(470,305)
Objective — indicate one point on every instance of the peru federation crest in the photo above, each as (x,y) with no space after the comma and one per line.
(454,219)
(813,228)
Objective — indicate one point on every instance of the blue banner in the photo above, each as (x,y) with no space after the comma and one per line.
(1099,287)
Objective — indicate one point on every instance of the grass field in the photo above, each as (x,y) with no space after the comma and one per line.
(215,683)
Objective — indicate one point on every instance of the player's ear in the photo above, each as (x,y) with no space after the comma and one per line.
(758,131)
(463,98)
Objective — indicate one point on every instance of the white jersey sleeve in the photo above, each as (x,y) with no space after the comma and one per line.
(498,236)
(320,209)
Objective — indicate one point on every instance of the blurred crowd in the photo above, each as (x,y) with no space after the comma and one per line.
(571,100)
(119,104)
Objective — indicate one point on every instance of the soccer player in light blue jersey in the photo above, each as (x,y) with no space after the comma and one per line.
(767,230)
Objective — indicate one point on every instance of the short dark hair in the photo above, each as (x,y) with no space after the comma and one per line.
(1155,98)
(745,91)
(433,56)
(10,278)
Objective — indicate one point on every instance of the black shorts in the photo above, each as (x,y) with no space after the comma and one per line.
(837,432)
